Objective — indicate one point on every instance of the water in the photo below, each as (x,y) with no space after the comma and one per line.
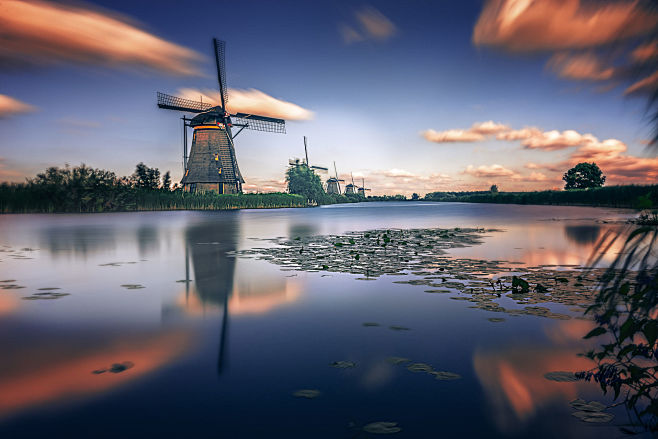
(222,354)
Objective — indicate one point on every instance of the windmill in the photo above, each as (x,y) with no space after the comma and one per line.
(350,189)
(333,183)
(299,162)
(362,190)
(212,165)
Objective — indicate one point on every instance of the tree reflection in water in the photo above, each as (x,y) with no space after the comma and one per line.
(625,311)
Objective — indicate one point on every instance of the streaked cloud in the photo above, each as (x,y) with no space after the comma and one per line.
(10,106)
(489,171)
(580,66)
(250,101)
(478,131)
(42,32)
(554,140)
(646,85)
(547,25)
(369,24)
(523,133)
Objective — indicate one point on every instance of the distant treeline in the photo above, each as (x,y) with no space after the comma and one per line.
(84,190)
(632,196)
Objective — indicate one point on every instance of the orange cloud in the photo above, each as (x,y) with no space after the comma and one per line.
(10,106)
(582,66)
(43,31)
(554,140)
(527,25)
(250,101)
(372,25)
(646,85)
(475,133)
(489,171)
(645,52)
(521,134)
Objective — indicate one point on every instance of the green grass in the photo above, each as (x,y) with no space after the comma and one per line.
(631,196)
(30,198)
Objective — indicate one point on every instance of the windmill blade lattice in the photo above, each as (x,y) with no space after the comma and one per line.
(220,47)
(170,102)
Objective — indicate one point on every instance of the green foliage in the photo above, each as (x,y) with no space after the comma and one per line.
(625,310)
(166,181)
(145,177)
(415,197)
(84,190)
(303,181)
(584,176)
(612,196)
(494,189)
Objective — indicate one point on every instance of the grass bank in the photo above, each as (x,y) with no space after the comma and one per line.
(630,196)
(30,198)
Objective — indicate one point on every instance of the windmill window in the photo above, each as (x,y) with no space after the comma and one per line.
(193,188)
(216,157)
(219,170)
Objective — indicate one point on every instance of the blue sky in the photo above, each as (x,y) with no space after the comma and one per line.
(371,99)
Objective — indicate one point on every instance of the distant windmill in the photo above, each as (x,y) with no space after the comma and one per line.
(350,189)
(298,162)
(333,184)
(212,165)
(362,190)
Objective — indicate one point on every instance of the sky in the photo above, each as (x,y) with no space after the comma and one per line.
(414,96)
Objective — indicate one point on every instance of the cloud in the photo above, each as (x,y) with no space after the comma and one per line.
(9,173)
(646,85)
(11,107)
(250,101)
(451,136)
(581,66)
(488,127)
(41,32)
(394,173)
(554,140)
(524,133)
(527,25)
(371,24)
(491,171)
(475,133)
(645,52)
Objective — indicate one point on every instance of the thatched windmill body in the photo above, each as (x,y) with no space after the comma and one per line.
(362,190)
(212,164)
(350,189)
(333,183)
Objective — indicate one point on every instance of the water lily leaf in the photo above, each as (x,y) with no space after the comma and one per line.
(307,393)
(121,367)
(442,375)
(382,428)
(562,377)
(370,324)
(133,286)
(419,367)
(398,360)
(399,328)
(594,417)
(343,364)
(496,319)
(592,406)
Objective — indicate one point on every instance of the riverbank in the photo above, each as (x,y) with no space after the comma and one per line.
(20,198)
(629,196)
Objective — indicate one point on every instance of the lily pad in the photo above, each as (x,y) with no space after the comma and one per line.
(382,428)
(133,286)
(442,375)
(307,393)
(370,324)
(343,364)
(496,319)
(594,417)
(420,367)
(399,328)
(592,406)
(398,360)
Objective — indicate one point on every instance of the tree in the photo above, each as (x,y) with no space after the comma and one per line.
(166,181)
(415,196)
(303,181)
(583,176)
(494,189)
(145,177)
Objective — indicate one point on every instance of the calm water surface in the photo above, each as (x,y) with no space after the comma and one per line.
(222,354)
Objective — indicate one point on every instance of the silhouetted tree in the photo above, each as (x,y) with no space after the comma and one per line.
(494,189)
(145,177)
(166,181)
(415,197)
(583,176)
